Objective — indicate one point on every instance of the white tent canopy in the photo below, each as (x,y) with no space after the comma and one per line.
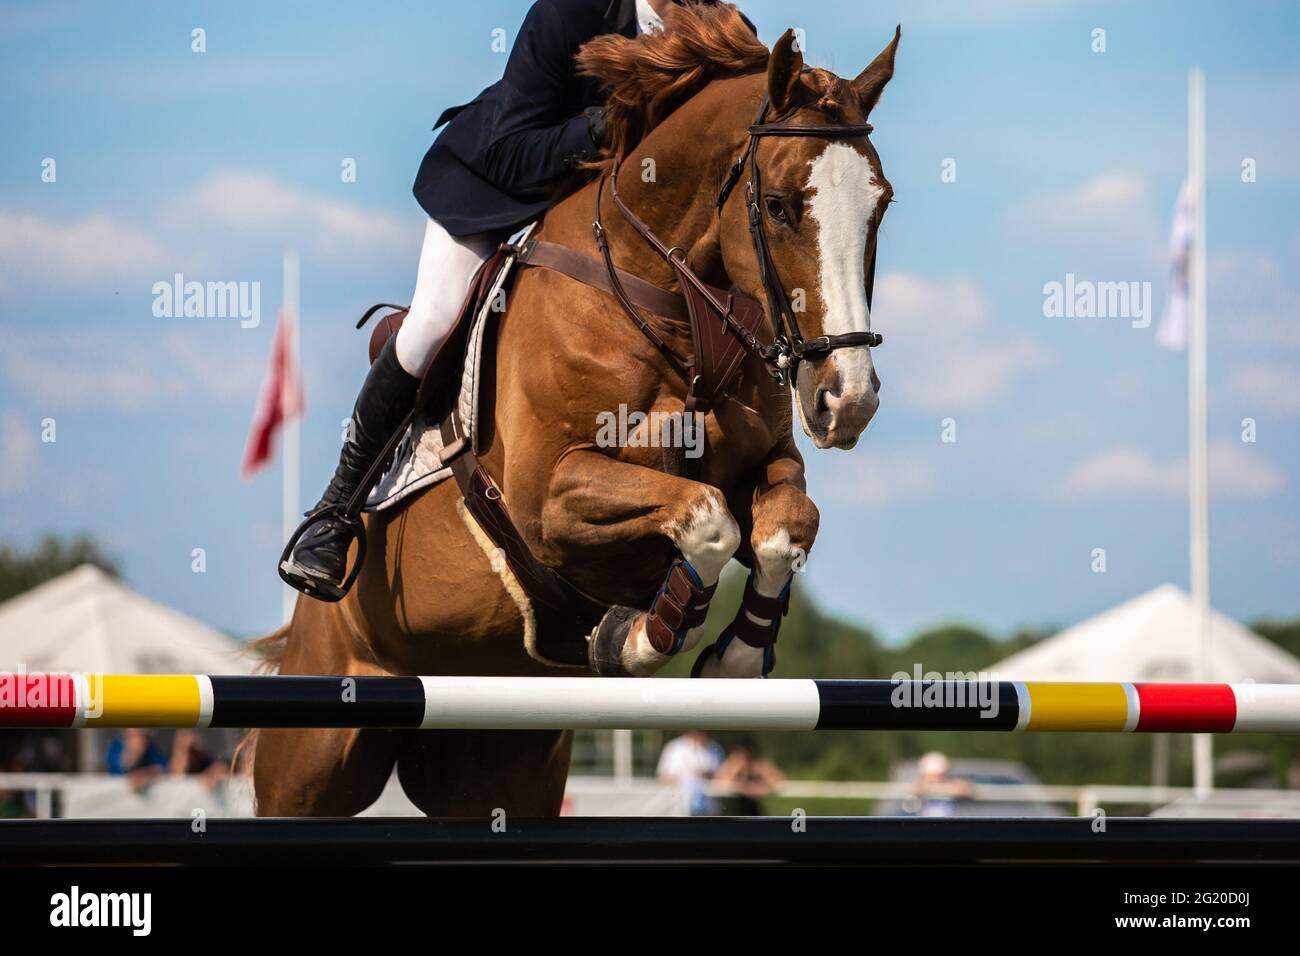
(86,620)
(1152,638)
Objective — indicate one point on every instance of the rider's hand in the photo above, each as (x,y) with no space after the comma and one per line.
(597,125)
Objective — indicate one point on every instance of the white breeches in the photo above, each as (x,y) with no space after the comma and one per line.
(447,264)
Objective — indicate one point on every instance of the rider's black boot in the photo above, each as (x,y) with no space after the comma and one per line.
(318,563)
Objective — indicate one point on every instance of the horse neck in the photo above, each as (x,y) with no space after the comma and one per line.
(670,180)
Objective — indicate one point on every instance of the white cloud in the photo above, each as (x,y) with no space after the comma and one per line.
(1112,213)
(91,371)
(1270,386)
(235,376)
(1096,203)
(961,13)
(1235,471)
(1245,124)
(257,204)
(1127,387)
(1251,299)
(940,357)
(90,251)
(1239,471)
(887,477)
(201,229)
(18,447)
(1124,468)
(73,378)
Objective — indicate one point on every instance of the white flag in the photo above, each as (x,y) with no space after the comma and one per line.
(1172,333)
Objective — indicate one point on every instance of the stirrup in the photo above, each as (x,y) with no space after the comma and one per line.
(315,587)
(347,513)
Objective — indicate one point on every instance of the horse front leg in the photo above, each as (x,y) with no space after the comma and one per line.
(784,526)
(605,507)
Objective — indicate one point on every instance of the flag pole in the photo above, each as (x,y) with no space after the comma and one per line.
(289,505)
(1198,472)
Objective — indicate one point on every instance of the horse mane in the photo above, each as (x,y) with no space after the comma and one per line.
(647,78)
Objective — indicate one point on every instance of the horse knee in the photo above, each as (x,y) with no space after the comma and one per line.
(707,536)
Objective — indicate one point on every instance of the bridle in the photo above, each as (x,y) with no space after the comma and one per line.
(788,347)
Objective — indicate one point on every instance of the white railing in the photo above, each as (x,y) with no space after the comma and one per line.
(105,795)
(101,795)
(1085,798)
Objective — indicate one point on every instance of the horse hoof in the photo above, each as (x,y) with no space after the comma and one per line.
(710,653)
(605,645)
(744,664)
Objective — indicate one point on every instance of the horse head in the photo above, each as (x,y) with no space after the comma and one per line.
(821,199)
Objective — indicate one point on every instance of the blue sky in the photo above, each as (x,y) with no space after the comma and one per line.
(1070,432)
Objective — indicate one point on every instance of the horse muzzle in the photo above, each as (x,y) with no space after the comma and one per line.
(838,415)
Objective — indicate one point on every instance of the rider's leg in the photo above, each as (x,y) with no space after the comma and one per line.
(447,266)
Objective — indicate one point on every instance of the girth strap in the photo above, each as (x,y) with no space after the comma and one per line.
(558,605)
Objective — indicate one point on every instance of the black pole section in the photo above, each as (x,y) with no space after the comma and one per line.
(844,840)
(317,702)
(917,705)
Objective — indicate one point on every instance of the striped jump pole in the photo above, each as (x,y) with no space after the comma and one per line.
(95,700)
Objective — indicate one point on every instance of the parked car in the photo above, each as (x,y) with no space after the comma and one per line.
(968,774)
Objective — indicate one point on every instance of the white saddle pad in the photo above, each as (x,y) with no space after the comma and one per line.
(417,463)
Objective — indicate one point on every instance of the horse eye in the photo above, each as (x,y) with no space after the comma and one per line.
(776,209)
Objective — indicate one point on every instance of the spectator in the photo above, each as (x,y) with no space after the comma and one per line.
(135,756)
(13,803)
(937,791)
(749,777)
(191,756)
(689,763)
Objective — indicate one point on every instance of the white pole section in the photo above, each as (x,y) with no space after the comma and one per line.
(506,702)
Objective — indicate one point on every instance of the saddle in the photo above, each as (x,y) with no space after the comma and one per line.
(444,424)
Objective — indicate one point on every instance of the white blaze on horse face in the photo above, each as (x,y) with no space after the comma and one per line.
(843,204)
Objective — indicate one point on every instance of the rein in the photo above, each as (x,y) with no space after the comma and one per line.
(788,347)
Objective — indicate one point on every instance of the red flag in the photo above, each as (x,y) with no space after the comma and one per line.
(279,401)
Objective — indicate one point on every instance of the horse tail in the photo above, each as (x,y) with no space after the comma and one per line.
(269,651)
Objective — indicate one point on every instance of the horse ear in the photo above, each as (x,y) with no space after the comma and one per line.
(783,69)
(871,81)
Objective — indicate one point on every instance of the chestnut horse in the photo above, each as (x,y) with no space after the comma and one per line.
(431,598)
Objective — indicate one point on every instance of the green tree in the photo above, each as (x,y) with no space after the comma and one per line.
(22,570)
(1285,634)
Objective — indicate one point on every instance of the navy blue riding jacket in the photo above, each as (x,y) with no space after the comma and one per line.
(497,164)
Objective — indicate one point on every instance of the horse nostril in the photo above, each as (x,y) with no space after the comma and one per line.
(823,406)
(875,381)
